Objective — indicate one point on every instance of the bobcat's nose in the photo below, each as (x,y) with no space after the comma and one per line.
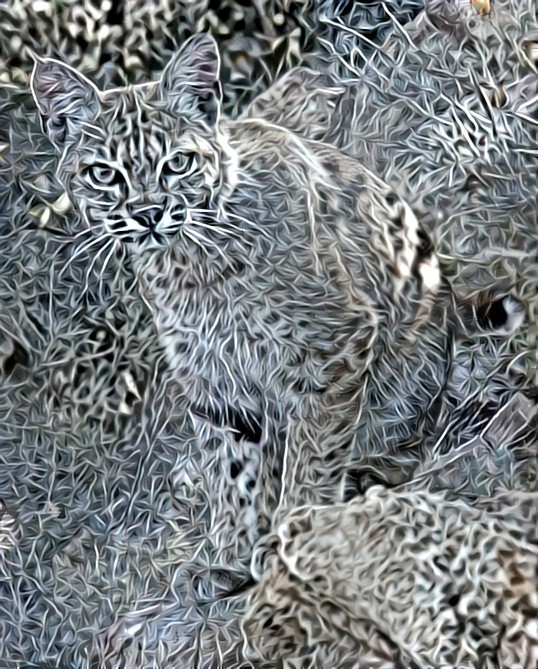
(148,218)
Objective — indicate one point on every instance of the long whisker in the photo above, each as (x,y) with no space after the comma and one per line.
(228,214)
(115,244)
(216,226)
(251,224)
(79,252)
(209,218)
(223,231)
(108,242)
(87,231)
(212,244)
(71,239)
(191,234)
(197,239)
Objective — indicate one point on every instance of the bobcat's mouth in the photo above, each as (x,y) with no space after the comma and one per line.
(152,238)
(144,228)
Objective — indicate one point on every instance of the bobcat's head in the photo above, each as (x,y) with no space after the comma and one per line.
(142,161)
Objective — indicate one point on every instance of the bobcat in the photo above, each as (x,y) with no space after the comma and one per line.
(283,276)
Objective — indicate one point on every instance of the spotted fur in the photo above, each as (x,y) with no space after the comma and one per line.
(287,283)
(105,502)
(441,113)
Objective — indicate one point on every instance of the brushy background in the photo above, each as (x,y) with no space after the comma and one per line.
(106,487)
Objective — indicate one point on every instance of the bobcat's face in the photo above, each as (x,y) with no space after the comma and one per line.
(149,174)
(143,162)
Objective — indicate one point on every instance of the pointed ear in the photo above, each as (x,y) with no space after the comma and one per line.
(64,98)
(191,79)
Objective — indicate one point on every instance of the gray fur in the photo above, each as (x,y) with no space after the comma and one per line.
(111,484)
(441,113)
(288,284)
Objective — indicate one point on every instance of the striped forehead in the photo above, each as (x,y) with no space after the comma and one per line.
(135,132)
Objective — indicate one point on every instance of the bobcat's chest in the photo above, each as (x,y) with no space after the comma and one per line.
(232,343)
(217,344)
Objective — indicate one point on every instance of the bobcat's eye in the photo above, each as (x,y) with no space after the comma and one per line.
(100,175)
(181,165)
